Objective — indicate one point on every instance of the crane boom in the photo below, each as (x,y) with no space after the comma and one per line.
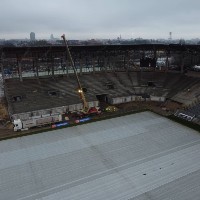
(80,89)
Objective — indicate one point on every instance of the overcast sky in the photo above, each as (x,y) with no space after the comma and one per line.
(86,19)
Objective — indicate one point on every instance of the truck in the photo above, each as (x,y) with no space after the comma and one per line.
(38,121)
(55,120)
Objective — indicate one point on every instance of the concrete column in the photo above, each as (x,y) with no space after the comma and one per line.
(105,63)
(167,61)
(93,65)
(20,71)
(81,65)
(2,71)
(67,67)
(124,62)
(155,54)
(114,62)
(36,68)
(66,63)
(194,60)
(108,62)
(52,66)
(98,63)
(182,63)
(128,60)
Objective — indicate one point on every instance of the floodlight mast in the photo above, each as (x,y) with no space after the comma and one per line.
(80,89)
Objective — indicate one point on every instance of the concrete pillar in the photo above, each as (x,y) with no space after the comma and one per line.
(36,68)
(167,61)
(81,65)
(182,63)
(114,62)
(98,64)
(128,60)
(52,67)
(65,61)
(194,60)
(124,62)
(108,63)
(2,71)
(105,63)
(20,71)
(93,65)
(67,66)
(155,54)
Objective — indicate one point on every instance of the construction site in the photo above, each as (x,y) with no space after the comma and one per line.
(41,82)
(102,115)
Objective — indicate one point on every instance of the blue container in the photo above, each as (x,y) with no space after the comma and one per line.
(84,119)
(60,124)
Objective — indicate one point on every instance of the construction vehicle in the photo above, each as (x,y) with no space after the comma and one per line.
(56,119)
(38,121)
(80,89)
(86,110)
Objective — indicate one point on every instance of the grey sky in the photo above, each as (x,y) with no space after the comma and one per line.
(86,19)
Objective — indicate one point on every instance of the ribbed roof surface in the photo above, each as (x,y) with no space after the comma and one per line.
(142,156)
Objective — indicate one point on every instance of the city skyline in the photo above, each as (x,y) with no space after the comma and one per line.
(105,19)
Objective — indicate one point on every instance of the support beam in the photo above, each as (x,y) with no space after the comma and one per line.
(128,60)
(20,71)
(124,62)
(2,71)
(67,66)
(155,54)
(105,63)
(37,69)
(93,65)
(52,66)
(2,68)
(81,65)
(167,60)
(182,63)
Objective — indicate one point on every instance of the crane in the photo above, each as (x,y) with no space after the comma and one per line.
(80,89)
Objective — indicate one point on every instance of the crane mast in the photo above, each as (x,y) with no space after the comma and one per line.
(80,89)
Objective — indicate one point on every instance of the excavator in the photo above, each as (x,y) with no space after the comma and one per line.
(86,110)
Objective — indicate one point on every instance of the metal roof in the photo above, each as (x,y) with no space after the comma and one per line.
(140,157)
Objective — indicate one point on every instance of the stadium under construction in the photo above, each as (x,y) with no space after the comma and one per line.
(138,156)
(40,81)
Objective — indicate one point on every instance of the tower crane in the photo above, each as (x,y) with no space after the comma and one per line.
(80,89)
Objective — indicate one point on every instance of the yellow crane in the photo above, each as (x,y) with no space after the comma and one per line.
(80,89)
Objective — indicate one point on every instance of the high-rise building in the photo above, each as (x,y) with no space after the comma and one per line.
(32,36)
(170,35)
(51,37)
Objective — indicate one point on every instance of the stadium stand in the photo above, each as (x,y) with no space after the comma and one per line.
(46,93)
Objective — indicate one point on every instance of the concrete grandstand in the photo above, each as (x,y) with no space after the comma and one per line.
(38,96)
(39,80)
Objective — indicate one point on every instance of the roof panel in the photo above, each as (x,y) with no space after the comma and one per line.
(136,156)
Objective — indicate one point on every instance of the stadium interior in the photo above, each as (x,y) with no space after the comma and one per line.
(40,81)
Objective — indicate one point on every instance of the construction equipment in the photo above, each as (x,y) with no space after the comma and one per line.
(80,89)
(21,125)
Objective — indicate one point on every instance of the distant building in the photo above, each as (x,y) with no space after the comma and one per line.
(32,36)
(170,35)
(51,37)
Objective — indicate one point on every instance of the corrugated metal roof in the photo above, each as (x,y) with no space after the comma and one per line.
(142,156)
